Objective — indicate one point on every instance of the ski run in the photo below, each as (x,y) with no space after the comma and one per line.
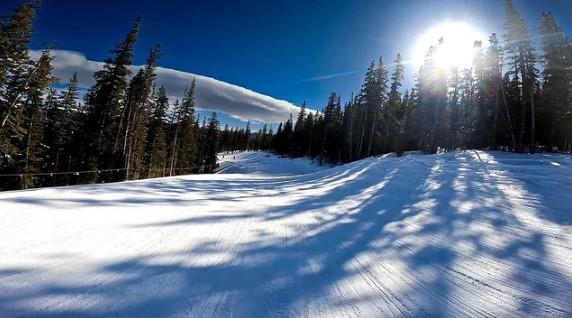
(465,234)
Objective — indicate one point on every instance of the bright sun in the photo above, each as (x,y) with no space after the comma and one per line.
(457,49)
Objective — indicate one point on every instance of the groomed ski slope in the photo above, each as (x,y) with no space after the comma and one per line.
(462,234)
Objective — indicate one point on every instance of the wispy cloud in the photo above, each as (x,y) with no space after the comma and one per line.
(343,74)
(212,94)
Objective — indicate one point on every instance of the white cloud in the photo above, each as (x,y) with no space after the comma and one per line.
(211,94)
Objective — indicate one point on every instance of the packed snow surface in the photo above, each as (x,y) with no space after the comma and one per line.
(460,234)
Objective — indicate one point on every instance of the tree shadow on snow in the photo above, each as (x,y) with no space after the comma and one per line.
(366,224)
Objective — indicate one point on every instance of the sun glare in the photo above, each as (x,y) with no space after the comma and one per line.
(457,48)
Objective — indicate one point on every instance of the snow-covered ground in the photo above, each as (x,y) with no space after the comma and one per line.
(464,234)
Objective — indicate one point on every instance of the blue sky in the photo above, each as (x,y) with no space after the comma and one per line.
(279,48)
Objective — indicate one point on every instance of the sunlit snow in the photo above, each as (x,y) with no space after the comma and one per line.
(458,234)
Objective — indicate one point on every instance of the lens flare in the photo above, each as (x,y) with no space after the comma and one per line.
(457,46)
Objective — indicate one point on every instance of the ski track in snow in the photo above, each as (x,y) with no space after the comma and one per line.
(475,234)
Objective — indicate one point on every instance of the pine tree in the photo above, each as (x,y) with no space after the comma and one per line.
(34,156)
(15,35)
(300,136)
(202,146)
(188,156)
(61,121)
(409,139)
(431,100)
(157,140)
(557,83)
(467,108)
(52,123)
(347,127)
(72,118)
(482,99)
(225,143)
(331,125)
(369,109)
(17,72)
(247,135)
(134,123)
(494,60)
(300,119)
(454,111)
(309,127)
(287,131)
(211,142)
(173,137)
(266,138)
(395,112)
(521,56)
(105,106)
(364,106)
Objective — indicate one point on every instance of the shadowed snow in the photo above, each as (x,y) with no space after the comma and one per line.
(462,234)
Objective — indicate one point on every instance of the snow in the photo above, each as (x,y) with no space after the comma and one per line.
(259,163)
(458,234)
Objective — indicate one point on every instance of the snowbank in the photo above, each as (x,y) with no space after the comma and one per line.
(255,162)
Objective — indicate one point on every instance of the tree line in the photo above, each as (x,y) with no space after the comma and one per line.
(125,128)
(122,129)
(502,102)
